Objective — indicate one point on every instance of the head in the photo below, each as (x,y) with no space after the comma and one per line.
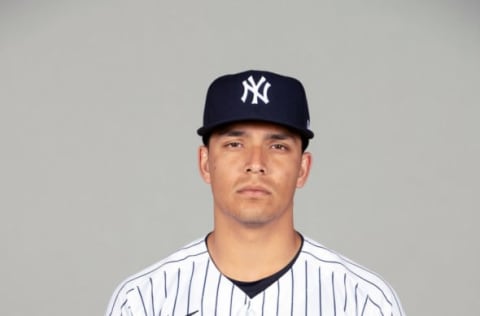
(255,133)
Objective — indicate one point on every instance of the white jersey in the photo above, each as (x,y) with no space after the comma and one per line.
(320,282)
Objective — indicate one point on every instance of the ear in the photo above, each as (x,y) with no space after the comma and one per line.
(304,171)
(203,163)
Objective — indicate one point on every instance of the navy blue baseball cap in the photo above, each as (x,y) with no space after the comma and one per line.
(256,95)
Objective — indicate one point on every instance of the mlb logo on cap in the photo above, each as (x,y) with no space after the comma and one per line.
(256,96)
(249,85)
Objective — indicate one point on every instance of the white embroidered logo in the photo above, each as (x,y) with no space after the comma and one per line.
(253,87)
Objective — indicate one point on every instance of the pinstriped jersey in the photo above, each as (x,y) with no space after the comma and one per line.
(320,282)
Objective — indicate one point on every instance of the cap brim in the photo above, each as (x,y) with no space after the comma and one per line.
(207,130)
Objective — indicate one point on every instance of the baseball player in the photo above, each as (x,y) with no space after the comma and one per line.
(255,132)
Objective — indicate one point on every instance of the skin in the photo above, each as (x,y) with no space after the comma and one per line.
(253,169)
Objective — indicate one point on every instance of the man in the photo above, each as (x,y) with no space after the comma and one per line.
(255,132)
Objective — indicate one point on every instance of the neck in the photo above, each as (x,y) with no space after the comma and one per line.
(249,254)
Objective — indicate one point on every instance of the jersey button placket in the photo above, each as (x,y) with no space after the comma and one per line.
(246,310)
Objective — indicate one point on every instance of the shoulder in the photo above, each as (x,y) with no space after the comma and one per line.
(317,254)
(192,253)
(350,275)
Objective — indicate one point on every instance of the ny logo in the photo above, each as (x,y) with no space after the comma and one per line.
(253,87)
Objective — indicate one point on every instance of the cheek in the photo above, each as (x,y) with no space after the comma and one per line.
(224,174)
(212,166)
(218,172)
(224,165)
(292,174)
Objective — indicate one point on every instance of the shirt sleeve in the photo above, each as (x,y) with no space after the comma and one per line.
(127,301)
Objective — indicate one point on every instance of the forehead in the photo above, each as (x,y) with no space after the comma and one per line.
(255,127)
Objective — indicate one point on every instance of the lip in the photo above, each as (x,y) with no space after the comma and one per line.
(253,191)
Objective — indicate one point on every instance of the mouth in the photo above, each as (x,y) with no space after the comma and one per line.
(253,191)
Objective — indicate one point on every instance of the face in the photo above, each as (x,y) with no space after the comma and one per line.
(254,170)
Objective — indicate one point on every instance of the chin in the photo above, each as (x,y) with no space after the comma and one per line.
(252,220)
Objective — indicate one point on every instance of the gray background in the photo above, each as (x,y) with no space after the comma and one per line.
(100,101)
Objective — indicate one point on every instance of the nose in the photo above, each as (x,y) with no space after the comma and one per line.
(256,162)
(255,169)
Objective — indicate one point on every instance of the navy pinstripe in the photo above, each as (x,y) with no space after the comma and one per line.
(176,291)
(231,298)
(141,298)
(216,295)
(356,299)
(151,295)
(190,286)
(204,284)
(293,291)
(334,296)
(165,283)
(278,297)
(345,286)
(320,290)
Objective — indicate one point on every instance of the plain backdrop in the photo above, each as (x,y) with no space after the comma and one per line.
(99,106)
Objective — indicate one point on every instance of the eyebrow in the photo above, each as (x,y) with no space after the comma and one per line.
(273,136)
(280,136)
(231,132)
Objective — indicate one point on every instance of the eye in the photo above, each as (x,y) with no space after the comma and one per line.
(233,145)
(279,147)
